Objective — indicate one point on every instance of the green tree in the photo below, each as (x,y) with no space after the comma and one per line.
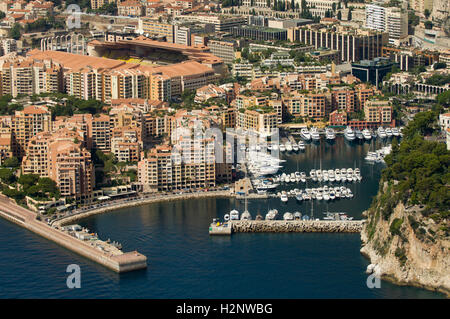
(11,162)
(15,32)
(7,176)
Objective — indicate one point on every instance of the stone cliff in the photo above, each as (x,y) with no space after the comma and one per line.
(405,245)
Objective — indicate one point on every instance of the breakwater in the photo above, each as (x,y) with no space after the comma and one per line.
(296,226)
(137,202)
(118,262)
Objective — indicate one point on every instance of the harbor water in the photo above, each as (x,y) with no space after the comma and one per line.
(185,262)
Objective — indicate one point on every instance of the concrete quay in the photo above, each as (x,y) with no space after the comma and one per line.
(296,226)
(137,202)
(118,262)
(284,226)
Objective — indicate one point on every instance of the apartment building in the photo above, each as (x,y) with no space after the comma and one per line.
(378,111)
(96,4)
(311,105)
(259,120)
(29,122)
(28,77)
(353,44)
(223,49)
(343,99)
(153,27)
(7,142)
(221,22)
(392,20)
(184,166)
(61,156)
(130,8)
(126,144)
(101,132)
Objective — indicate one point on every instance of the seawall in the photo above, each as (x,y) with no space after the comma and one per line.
(296,226)
(27,219)
(71,219)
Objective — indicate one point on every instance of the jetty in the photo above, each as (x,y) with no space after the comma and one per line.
(102,253)
(286,226)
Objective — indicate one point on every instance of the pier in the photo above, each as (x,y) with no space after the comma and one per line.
(113,259)
(287,226)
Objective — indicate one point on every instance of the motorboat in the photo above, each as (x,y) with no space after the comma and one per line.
(282,147)
(246,216)
(304,134)
(359,135)
(288,216)
(271,214)
(234,215)
(301,145)
(315,136)
(295,147)
(395,131)
(367,135)
(388,132)
(349,134)
(299,197)
(284,198)
(330,134)
(297,215)
(288,146)
(381,132)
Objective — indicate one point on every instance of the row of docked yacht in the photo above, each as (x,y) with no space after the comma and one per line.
(314,135)
(289,147)
(337,175)
(321,193)
(292,177)
(378,156)
(389,132)
(261,164)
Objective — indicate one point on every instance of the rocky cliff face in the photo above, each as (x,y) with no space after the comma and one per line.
(407,247)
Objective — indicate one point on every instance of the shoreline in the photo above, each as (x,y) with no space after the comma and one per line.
(393,280)
(135,203)
(117,261)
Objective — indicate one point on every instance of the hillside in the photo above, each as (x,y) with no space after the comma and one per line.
(407,230)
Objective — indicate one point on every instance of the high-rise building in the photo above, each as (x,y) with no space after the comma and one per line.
(188,165)
(372,71)
(29,122)
(353,44)
(392,20)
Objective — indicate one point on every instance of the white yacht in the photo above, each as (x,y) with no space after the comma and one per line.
(284,198)
(304,133)
(388,132)
(349,134)
(271,214)
(288,216)
(395,131)
(282,147)
(234,215)
(288,146)
(381,132)
(359,135)
(295,147)
(366,134)
(330,134)
(301,145)
(297,215)
(315,136)
(246,216)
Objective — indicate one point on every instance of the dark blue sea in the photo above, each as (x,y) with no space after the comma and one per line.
(185,262)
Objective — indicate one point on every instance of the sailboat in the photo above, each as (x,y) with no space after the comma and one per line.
(246,215)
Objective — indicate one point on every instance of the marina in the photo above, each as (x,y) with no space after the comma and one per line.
(174,235)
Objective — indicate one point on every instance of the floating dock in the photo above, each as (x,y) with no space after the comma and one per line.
(118,262)
(220,229)
(287,226)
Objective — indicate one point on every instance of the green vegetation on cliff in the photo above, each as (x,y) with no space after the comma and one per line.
(417,176)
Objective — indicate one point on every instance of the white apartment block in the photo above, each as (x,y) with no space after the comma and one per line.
(392,20)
